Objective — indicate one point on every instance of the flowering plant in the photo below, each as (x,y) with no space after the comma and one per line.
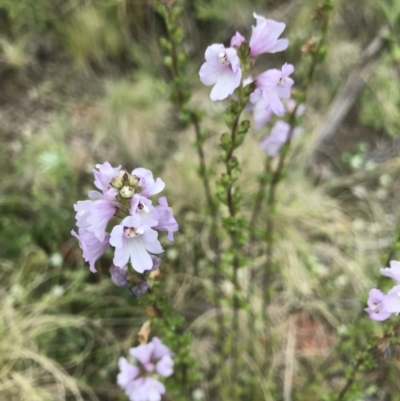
(140,381)
(124,204)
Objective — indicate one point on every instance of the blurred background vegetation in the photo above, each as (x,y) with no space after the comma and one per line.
(82,82)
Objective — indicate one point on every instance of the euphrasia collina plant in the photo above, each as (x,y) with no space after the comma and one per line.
(139,380)
(125,198)
(382,306)
(123,214)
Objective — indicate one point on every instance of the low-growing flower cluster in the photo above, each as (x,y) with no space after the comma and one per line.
(229,68)
(139,380)
(123,204)
(381,306)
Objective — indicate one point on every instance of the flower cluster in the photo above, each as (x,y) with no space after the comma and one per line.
(123,204)
(139,380)
(381,306)
(224,68)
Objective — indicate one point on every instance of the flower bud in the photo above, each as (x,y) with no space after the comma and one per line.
(132,180)
(127,192)
(119,276)
(118,181)
(140,289)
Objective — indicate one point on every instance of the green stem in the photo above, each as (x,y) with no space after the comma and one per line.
(181,100)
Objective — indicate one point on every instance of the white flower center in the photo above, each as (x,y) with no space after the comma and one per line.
(131,232)
(223,58)
(281,81)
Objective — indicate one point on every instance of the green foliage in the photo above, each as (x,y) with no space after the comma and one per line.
(50,325)
(45,172)
(33,16)
(93,34)
(358,159)
(301,254)
(380,101)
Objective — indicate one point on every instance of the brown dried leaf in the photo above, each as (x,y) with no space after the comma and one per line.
(144,332)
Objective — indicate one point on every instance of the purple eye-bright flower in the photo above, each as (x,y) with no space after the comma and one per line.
(264,38)
(393,271)
(262,113)
(119,276)
(92,247)
(221,69)
(391,302)
(143,207)
(150,359)
(82,209)
(104,175)
(154,357)
(126,197)
(376,308)
(237,40)
(145,389)
(133,241)
(277,138)
(127,372)
(147,183)
(101,212)
(166,220)
(136,387)
(272,86)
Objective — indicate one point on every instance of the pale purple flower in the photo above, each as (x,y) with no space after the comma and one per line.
(262,113)
(127,372)
(149,187)
(221,69)
(272,86)
(109,195)
(154,357)
(104,175)
(141,288)
(391,302)
(82,209)
(92,248)
(101,212)
(156,263)
(137,381)
(132,241)
(166,220)
(145,389)
(138,388)
(143,207)
(376,308)
(264,38)
(119,276)
(278,137)
(393,271)
(237,40)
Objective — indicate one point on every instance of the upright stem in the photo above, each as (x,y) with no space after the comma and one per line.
(181,98)
(203,168)
(232,213)
(276,177)
(263,181)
